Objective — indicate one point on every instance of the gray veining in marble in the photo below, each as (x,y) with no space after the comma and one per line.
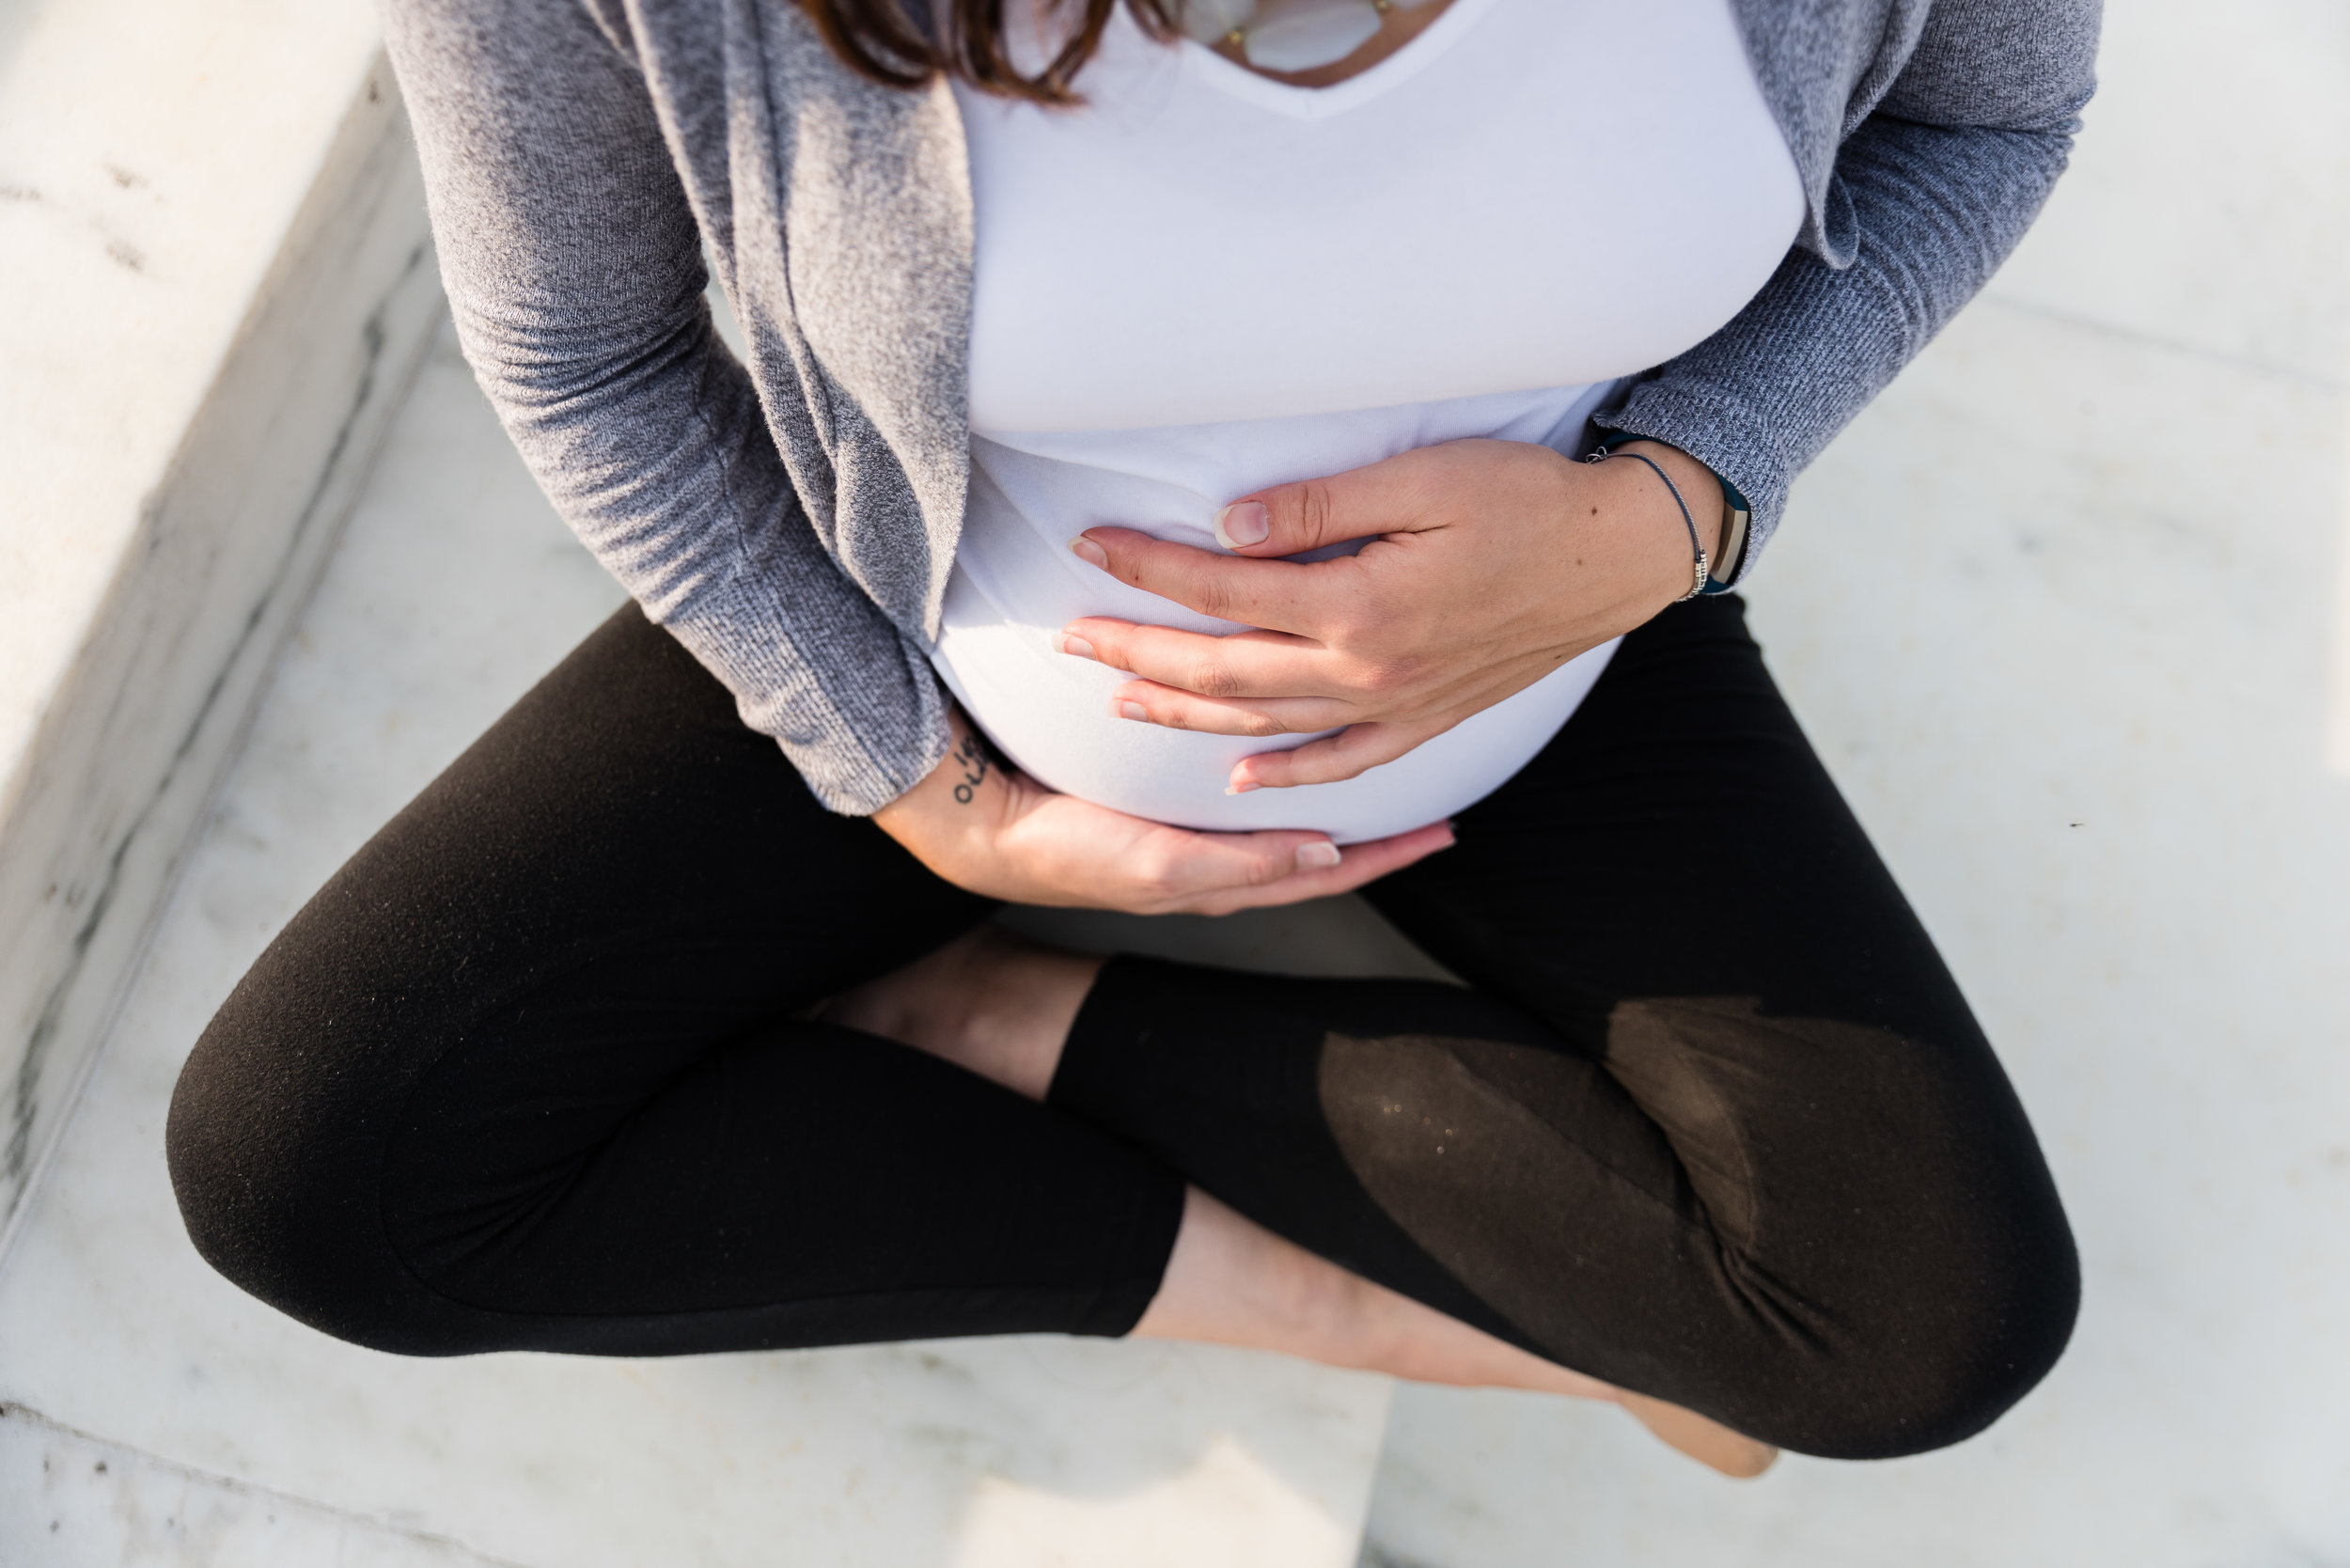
(228,541)
(71,1500)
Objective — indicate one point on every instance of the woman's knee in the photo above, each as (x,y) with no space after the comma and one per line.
(1933,1361)
(1986,1293)
(1885,1210)
(273,1162)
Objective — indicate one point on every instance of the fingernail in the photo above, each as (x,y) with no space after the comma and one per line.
(1243,523)
(1317,856)
(1089,552)
(1078,646)
(1129,710)
(1241,787)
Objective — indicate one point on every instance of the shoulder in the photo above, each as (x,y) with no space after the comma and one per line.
(1826,66)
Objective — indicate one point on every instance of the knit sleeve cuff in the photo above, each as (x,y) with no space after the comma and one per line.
(1717,430)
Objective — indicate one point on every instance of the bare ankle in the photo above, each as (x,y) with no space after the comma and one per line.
(991,1001)
(1231,1282)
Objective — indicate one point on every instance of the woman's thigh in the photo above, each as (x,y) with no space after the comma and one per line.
(1714,1123)
(526,1073)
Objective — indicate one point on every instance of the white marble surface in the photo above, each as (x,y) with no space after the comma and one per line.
(2204,208)
(211,240)
(69,1501)
(153,154)
(2061,613)
(453,589)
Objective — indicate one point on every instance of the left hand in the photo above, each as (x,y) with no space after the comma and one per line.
(998,833)
(1491,563)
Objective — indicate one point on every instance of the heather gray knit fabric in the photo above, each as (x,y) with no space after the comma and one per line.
(793,522)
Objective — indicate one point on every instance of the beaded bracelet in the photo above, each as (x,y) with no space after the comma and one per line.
(1702,568)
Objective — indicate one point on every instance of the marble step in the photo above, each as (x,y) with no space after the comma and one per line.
(219,282)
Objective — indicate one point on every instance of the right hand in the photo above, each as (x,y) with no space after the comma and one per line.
(987,827)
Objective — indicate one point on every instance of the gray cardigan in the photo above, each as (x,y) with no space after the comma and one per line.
(793,522)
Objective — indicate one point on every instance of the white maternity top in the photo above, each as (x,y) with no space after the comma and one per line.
(1204,282)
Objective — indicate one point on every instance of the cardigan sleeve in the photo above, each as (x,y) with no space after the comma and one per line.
(1930,193)
(574,273)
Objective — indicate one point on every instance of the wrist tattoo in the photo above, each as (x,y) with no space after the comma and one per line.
(976,757)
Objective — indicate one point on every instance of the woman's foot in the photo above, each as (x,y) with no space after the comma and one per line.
(1232,1281)
(991,1001)
(1002,1006)
(1708,1442)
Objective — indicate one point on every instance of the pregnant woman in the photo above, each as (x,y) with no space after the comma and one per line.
(1157,481)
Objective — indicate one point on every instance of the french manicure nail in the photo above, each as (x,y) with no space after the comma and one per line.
(1242,787)
(1078,646)
(1243,523)
(1319,855)
(1129,710)
(1089,552)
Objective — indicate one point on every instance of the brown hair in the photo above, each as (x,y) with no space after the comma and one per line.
(878,40)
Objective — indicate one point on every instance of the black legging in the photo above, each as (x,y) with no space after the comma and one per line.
(1714,1124)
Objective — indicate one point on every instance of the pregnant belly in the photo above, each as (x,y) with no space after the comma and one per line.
(1050,716)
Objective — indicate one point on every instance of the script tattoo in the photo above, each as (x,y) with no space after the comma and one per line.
(976,757)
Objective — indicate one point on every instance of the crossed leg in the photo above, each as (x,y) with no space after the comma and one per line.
(1002,1007)
(1710,1126)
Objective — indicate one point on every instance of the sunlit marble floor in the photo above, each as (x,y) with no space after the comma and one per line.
(2068,613)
